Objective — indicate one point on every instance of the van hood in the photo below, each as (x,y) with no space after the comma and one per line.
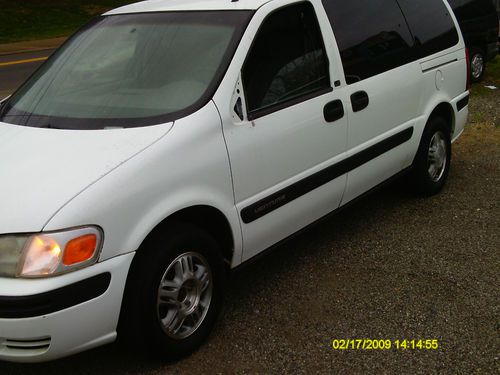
(42,169)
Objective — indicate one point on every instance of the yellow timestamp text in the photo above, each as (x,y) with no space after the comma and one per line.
(381,344)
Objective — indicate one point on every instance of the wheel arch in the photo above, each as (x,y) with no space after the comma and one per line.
(445,111)
(143,273)
(207,218)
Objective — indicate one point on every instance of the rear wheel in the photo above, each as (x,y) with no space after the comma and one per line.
(477,64)
(174,292)
(432,162)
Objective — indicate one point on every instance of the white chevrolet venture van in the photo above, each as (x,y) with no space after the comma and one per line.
(170,141)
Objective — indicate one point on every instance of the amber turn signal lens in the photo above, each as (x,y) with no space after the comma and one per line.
(80,249)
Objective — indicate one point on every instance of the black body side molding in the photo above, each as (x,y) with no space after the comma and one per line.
(348,205)
(306,185)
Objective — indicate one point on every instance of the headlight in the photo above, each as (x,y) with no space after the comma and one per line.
(49,253)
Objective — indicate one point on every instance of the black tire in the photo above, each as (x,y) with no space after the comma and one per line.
(477,64)
(422,181)
(140,326)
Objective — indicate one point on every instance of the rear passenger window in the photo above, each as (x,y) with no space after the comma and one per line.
(431,25)
(372,36)
(287,62)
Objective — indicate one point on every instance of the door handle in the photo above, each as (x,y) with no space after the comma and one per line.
(359,101)
(333,111)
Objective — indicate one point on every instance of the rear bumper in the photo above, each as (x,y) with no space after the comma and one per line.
(41,320)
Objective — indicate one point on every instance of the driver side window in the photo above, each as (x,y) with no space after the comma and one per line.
(287,62)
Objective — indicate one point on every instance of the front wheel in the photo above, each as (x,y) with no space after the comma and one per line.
(432,162)
(174,292)
(185,294)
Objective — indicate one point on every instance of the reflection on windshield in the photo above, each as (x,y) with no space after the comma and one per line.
(130,70)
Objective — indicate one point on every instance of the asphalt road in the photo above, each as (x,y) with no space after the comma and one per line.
(391,267)
(16,68)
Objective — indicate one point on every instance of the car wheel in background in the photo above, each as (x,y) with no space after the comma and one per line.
(477,64)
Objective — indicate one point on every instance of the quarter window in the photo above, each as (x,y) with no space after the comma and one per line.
(287,61)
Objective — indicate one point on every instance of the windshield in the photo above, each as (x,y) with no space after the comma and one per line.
(130,70)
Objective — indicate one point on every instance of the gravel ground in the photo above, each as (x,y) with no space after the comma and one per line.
(390,267)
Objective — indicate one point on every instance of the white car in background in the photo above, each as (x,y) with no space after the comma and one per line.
(168,142)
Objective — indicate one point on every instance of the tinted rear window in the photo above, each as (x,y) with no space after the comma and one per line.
(372,36)
(431,25)
(378,35)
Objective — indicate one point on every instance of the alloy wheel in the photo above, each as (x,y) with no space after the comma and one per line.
(184,295)
(437,156)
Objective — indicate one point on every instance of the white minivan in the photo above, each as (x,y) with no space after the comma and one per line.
(169,141)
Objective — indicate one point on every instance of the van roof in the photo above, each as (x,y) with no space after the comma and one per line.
(188,5)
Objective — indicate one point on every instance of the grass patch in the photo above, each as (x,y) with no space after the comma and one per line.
(36,19)
(491,78)
(492,73)
(484,107)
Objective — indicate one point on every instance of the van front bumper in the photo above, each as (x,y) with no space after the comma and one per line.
(45,319)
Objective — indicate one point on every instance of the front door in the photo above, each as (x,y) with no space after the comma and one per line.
(291,128)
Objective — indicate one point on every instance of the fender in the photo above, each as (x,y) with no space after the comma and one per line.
(179,165)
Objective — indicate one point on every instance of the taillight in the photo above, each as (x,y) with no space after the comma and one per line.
(468,68)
